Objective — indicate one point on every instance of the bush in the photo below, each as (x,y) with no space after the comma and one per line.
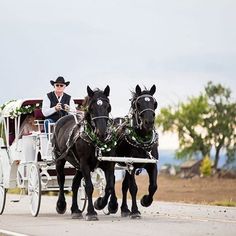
(205,168)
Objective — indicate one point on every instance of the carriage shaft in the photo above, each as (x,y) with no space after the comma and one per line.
(127,159)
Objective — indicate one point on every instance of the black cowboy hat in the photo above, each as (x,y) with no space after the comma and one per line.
(59,80)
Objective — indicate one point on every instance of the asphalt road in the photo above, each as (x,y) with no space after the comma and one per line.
(162,218)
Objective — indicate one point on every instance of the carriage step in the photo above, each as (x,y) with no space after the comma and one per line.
(16,200)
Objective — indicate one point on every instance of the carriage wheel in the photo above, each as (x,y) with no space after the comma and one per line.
(34,189)
(101,189)
(82,197)
(105,209)
(100,184)
(2,191)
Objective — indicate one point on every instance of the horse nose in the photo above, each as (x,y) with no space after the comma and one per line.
(149,122)
(101,135)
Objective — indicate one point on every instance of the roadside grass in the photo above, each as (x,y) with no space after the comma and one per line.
(14,190)
(206,191)
(226,203)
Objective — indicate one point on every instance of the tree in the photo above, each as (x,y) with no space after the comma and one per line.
(187,119)
(202,123)
(221,121)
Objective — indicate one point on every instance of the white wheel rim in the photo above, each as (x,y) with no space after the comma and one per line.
(82,198)
(34,189)
(2,191)
(100,181)
(105,209)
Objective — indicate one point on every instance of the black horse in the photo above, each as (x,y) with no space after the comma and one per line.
(137,138)
(79,141)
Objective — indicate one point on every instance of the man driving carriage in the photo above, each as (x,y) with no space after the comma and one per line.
(57,103)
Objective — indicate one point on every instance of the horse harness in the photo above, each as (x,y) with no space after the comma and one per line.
(137,113)
(130,135)
(79,130)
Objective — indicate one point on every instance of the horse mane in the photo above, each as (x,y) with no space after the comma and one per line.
(87,101)
(135,95)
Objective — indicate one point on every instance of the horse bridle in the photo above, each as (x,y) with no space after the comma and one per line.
(138,113)
(99,100)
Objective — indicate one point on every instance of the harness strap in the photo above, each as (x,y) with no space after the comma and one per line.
(76,119)
(71,139)
(73,160)
(148,109)
(100,117)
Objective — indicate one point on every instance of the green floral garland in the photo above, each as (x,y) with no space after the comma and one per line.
(21,110)
(134,136)
(105,147)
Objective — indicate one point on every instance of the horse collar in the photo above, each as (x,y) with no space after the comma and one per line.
(90,137)
(134,140)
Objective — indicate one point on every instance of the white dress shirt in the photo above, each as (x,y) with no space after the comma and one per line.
(47,110)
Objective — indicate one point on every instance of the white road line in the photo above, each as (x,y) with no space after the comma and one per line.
(10,233)
(193,218)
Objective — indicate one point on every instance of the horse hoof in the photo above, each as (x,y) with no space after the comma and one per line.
(113,208)
(146,201)
(77,216)
(135,215)
(98,204)
(125,213)
(91,218)
(61,208)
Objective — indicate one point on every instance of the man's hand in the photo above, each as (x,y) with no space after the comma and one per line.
(58,107)
(67,108)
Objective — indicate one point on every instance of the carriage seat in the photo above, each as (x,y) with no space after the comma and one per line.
(38,114)
(39,118)
(11,138)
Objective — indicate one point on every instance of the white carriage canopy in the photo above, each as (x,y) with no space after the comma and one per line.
(13,114)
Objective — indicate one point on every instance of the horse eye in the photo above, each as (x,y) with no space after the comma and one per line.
(155,105)
(138,105)
(109,109)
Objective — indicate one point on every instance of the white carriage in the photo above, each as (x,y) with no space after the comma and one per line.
(26,161)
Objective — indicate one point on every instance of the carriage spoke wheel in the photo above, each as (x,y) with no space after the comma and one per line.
(2,191)
(34,189)
(101,185)
(82,197)
(106,209)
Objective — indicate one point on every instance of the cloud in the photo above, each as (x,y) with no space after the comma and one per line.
(178,46)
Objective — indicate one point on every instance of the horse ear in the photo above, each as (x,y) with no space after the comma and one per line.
(153,89)
(107,91)
(90,91)
(138,90)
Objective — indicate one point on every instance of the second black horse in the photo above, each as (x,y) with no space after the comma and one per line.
(137,138)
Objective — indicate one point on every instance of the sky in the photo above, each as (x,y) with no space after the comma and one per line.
(177,45)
